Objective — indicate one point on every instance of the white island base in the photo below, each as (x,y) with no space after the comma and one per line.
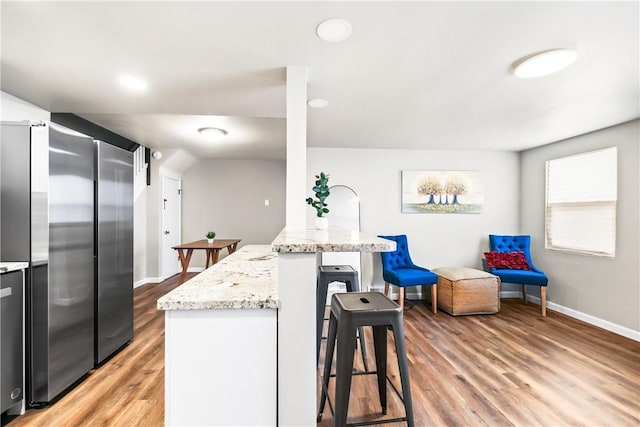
(220,367)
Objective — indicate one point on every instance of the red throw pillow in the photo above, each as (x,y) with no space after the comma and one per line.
(507,260)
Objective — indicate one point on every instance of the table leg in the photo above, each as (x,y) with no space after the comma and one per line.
(184,261)
(232,248)
(207,254)
(215,254)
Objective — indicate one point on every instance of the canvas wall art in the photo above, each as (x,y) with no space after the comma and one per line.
(446,192)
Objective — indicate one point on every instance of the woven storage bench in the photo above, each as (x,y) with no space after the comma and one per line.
(467,291)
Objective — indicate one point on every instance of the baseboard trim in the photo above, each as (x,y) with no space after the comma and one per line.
(195,269)
(511,294)
(587,318)
(592,320)
(147,280)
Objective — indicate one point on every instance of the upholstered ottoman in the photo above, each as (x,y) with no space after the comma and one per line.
(467,291)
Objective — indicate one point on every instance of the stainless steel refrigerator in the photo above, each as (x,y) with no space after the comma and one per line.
(114,290)
(73,221)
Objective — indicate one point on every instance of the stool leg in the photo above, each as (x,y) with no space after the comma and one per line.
(380,345)
(363,349)
(321,298)
(344,368)
(401,352)
(328,360)
(354,287)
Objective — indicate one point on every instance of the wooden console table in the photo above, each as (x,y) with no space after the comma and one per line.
(185,251)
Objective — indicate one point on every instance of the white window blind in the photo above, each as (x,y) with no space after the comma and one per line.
(581,202)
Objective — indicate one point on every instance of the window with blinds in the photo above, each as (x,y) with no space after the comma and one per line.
(581,203)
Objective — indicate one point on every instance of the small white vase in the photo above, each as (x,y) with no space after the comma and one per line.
(210,240)
(322,222)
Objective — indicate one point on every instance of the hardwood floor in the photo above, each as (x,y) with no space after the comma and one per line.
(128,389)
(514,368)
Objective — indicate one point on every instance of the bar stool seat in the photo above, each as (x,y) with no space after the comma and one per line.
(349,312)
(335,273)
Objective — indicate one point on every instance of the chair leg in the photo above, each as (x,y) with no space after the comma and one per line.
(524,294)
(386,289)
(401,297)
(434,298)
(543,300)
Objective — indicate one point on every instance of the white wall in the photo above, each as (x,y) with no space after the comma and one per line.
(435,240)
(14,109)
(140,237)
(605,288)
(227,196)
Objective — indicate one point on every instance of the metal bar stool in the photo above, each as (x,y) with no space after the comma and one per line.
(349,312)
(326,275)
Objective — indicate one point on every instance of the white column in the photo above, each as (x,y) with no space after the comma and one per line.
(297,339)
(296,147)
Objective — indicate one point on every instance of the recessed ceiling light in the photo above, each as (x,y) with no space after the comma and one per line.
(317,103)
(544,63)
(334,30)
(212,134)
(133,83)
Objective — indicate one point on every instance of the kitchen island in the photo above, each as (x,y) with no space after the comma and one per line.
(240,336)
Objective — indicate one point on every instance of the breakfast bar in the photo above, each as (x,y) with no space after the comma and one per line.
(240,336)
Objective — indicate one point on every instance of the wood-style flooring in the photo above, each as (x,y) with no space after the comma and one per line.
(128,389)
(514,368)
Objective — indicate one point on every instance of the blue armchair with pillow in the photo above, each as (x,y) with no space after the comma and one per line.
(399,270)
(510,259)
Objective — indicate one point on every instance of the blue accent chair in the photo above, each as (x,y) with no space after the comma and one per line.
(399,270)
(535,277)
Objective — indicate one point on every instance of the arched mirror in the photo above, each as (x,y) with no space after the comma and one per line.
(344,212)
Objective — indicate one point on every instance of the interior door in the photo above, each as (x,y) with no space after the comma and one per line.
(170,234)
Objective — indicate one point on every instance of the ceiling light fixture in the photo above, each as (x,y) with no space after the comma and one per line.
(156,155)
(544,63)
(317,103)
(132,83)
(334,30)
(212,134)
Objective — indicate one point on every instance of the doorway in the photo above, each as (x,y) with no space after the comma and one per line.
(171,222)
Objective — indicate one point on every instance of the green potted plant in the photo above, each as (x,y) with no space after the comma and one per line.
(210,236)
(321,190)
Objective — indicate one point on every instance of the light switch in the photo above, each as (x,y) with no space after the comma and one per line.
(266,202)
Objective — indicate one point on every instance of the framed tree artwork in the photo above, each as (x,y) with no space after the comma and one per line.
(446,192)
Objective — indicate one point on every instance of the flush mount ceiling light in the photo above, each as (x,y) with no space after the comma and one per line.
(544,63)
(156,155)
(317,103)
(334,30)
(132,83)
(212,134)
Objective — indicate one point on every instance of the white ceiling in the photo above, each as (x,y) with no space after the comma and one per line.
(433,75)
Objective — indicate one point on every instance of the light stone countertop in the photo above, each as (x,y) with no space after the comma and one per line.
(246,279)
(6,267)
(330,240)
